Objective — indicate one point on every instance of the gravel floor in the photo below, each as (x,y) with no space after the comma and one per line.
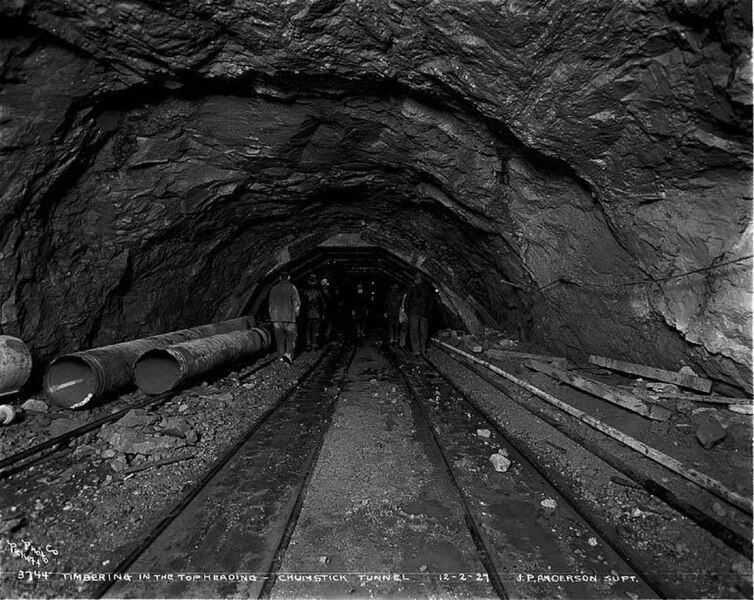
(85,512)
(686,559)
(380,511)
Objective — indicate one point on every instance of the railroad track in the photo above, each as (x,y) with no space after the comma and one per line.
(517,535)
(217,527)
(736,534)
(229,533)
(23,459)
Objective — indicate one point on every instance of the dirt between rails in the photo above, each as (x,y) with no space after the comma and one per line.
(694,563)
(67,521)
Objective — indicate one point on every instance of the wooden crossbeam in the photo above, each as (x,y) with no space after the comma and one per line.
(606,392)
(683,379)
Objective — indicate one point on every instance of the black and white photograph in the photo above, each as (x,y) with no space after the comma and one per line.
(365,299)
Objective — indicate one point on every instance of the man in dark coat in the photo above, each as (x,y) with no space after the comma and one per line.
(361,306)
(419,303)
(284,306)
(392,310)
(314,308)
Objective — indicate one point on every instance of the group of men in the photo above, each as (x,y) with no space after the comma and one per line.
(407,312)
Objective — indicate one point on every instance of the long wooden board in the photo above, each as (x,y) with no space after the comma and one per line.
(606,392)
(684,380)
(710,399)
(702,480)
(507,354)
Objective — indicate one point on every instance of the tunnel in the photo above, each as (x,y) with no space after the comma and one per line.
(571,180)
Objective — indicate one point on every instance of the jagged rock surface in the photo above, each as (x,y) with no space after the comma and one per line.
(159,159)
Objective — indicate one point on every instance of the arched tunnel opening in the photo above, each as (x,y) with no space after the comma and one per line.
(342,269)
(525,230)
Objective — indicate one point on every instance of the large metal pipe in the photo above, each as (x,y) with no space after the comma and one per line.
(15,364)
(162,369)
(74,380)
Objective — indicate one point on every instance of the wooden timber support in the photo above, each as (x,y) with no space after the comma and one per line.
(709,399)
(510,354)
(702,480)
(606,392)
(683,379)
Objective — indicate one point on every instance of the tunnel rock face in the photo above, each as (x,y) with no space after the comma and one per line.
(558,168)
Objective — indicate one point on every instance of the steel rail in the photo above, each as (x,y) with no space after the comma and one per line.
(290,526)
(738,541)
(475,529)
(206,479)
(534,462)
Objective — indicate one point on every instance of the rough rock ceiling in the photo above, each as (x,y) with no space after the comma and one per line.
(160,158)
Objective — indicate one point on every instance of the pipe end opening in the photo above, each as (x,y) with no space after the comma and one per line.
(156,372)
(70,382)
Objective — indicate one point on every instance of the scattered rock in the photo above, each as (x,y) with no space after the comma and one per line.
(35,406)
(659,427)
(118,464)
(136,417)
(179,424)
(130,441)
(737,436)
(549,503)
(10,525)
(83,451)
(423,568)
(665,388)
(373,380)
(476,349)
(108,453)
(684,406)
(741,567)
(485,433)
(62,426)
(659,413)
(592,541)
(500,462)
(688,371)
(223,398)
(710,433)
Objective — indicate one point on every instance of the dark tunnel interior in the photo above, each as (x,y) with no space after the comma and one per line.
(342,270)
(561,192)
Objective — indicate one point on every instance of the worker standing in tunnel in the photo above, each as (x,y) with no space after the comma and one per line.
(361,306)
(327,312)
(284,306)
(419,304)
(392,312)
(314,308)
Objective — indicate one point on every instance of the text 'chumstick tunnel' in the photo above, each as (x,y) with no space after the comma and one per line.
(398,299)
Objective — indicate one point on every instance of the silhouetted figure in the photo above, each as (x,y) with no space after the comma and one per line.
(392,313)
(314,308)
(327,313)
(419,304)
(361,301)
(284,306)
(403,322)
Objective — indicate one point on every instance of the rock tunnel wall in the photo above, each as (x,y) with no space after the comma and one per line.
(555,165)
